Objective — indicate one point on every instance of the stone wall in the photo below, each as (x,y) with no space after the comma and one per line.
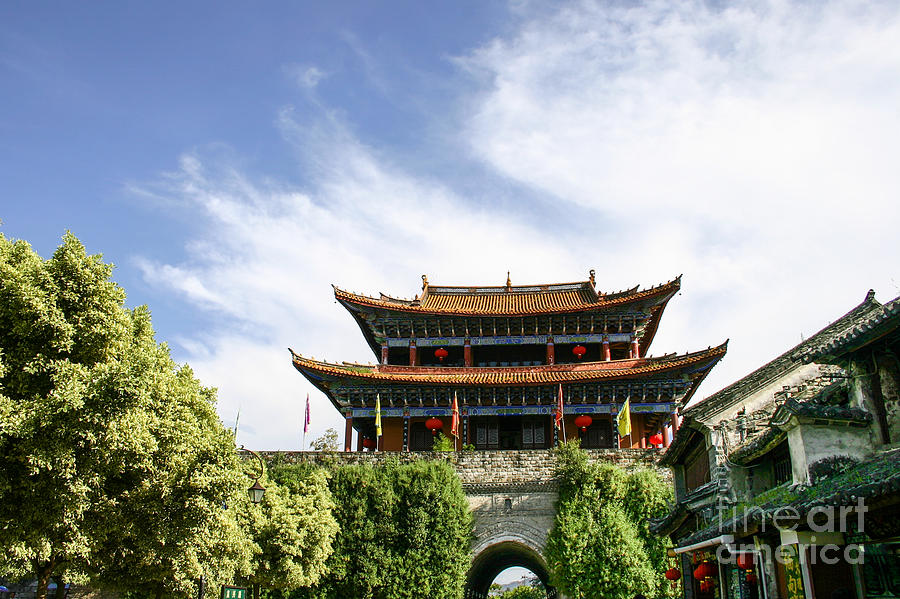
(480,468)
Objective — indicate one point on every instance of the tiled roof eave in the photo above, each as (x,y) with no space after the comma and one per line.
(662,293)
(772,370)
(851,339)
(540,375)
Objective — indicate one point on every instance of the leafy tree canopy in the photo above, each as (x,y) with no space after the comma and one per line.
(113,462)
(327,442)
(292,531)
(600,545)
(403,532)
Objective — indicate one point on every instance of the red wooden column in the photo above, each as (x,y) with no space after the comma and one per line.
(467,353)
(667,435)
(551,352)
(412,352)
(641,427)
(384,353)
(635,350)
(348,432)
(676,423)
(607,356)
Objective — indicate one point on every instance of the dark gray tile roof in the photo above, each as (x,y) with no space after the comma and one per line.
(757,446)
(875,478)
(855,334)
(767,373)
(820,411)
(669,522)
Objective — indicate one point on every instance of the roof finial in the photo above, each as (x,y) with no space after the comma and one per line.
(424,282)
(508,281)
(593,283)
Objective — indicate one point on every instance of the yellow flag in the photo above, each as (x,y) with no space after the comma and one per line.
(377,415)
(623,420)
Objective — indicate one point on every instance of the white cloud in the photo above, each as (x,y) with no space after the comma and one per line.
(270,253)
(751,149)
(305,76)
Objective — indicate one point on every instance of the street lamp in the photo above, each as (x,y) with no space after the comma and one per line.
(257,491)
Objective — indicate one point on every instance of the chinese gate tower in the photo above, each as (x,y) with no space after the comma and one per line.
(505,354)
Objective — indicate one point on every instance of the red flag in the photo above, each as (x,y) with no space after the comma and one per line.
(306,418)
(454,423)
(557,419)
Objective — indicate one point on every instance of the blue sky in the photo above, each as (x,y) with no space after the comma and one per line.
(234,160)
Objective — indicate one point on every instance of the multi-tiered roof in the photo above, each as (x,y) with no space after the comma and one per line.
(504,350)
(562,310)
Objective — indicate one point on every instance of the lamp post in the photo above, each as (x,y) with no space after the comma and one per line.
(256,491)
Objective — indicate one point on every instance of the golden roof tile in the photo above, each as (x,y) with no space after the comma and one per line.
(508,376)
(510,300)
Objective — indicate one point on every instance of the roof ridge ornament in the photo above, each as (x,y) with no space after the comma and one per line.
(593,282)
(508,282)
(424,282)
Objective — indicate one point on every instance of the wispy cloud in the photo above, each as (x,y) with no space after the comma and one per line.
(750,148)
(305,76)
(270,253)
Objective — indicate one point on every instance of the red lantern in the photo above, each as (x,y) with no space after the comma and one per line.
(583,422)
(656,439)
(368,443)
(704,570)
(434,425)
(673,574)
(751,577)
(579,350)
(440,353)
(745,561)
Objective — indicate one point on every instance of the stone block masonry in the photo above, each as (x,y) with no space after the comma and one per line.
(482,468)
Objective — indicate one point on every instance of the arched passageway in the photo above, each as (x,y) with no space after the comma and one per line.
(498,557)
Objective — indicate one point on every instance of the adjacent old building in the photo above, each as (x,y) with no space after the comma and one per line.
(787,480)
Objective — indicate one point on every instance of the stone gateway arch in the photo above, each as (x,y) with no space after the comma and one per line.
(512,496)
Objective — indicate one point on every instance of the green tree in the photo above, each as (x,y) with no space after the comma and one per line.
(522,592)
(600,545)
(327,442)
(292,530)
(113,462)
(404,533)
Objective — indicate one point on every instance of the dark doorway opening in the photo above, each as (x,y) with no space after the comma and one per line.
(497,558)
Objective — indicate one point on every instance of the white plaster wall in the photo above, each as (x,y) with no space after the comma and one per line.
(810,443)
